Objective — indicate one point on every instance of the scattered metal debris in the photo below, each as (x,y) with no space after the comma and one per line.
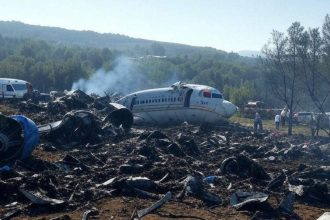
(87,153)
(38,199)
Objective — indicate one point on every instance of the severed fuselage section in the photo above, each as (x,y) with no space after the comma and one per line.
(178,103)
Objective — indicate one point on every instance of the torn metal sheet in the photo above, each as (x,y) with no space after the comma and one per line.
(299,190)
(286,204)
(38,199)
(142,183)
(76,126)
(154,206)
(89,213)
(244,166)
(11,214)
(245,200)
(277,182)
(193,186)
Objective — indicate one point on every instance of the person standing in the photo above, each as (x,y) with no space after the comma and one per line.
(313,126)
(257,123)
(277,121)
(283,116)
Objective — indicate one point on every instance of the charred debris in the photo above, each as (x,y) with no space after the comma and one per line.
(99,154)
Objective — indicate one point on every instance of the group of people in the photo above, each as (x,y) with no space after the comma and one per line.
(316,122)
(280,118)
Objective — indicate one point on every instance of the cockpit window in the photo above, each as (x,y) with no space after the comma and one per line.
(217,96)
(19,87)
(207,94)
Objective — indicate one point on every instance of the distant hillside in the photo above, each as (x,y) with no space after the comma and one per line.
(134,46)
(250,53)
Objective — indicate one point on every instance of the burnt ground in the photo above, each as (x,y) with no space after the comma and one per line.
(77,174)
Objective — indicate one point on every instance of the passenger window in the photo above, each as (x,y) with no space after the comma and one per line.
(10,88)
(175,99)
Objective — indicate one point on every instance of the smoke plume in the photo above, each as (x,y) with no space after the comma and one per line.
(124,78)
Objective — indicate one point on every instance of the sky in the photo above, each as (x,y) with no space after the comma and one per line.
(230,25)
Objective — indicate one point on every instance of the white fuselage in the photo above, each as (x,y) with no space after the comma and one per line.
(13,88)
(178,103)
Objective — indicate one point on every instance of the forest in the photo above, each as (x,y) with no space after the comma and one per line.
(50,66)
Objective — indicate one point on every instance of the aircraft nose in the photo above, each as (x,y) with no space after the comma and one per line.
(229,108)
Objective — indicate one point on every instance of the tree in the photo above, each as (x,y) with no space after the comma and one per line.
(240,95)
(326,40)
(282,65)
(313,52)
(314,79)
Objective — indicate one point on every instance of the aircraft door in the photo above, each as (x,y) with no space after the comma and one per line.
(9,91)
(3,90)
(132,103)
(187,98)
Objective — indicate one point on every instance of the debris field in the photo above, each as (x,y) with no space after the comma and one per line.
(87,167)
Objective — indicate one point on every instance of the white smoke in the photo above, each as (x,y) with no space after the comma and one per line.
(173,78)
(124,78)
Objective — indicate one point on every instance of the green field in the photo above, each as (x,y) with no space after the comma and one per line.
(270,125)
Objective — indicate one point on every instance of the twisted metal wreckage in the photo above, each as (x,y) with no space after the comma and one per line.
(151,164)
(19,135)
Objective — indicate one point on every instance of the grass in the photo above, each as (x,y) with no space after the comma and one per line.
(270,125)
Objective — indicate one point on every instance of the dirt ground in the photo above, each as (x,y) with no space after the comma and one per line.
(123,208)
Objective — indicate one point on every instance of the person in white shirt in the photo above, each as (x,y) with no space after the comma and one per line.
(283,116)
(277,121)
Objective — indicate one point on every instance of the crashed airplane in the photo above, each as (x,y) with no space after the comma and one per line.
(175,104)
(180,102)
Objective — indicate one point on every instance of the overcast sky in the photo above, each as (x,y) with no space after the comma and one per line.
(231,25)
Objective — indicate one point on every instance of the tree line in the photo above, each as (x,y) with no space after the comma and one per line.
(297,67)
(50,66)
